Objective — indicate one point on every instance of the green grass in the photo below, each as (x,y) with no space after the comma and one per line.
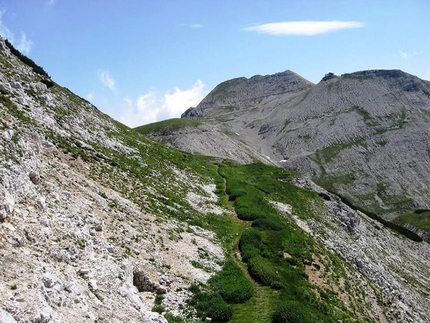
(167,126)
(265,236)
(418,220)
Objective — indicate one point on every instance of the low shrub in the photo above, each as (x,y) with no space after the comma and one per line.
(47,82)
(213,306)
(248,213)
(291,312)
(249,251)
(36,68)
(251,237)
(210,304)
(232,284)
(268,224)
(263,271)
(158,308)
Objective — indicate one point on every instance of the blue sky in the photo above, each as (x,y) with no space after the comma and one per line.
(143,61)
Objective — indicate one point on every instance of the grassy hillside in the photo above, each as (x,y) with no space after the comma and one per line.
(420,220)
(167,126)
(265,278)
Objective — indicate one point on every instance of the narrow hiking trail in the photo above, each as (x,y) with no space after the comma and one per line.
(257,308)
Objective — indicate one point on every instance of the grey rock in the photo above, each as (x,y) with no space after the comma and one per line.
(5,86)
(49,280)
(160,289)
(3,213)
(93,284)
(98,227)
(143,282)
(34,177)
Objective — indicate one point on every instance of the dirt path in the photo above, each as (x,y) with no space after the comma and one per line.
(256,309)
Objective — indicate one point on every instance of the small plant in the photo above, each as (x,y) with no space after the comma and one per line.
(158,308)
(196,264)
(292,312)
(158,299)
(173,319)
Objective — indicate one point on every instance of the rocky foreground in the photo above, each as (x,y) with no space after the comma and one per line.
(73,244)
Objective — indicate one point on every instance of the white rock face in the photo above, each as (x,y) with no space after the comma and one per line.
(73,228)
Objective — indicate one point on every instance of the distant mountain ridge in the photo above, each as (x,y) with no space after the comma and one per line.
(363,135)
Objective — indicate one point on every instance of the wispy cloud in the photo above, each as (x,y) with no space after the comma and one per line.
(51,2)
(303,28)
(194,26)
(155,105)
(24,45)
(106,79)
(407,55)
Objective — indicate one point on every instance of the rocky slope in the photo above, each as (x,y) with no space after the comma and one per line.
(83,209)
(363,135)
(96,220)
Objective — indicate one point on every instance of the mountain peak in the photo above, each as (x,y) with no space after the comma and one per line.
(240,92)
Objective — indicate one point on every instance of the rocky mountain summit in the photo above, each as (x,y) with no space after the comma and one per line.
(363,135)
(242,93)
(99,223)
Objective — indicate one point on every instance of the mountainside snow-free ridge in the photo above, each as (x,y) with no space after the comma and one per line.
(362,135)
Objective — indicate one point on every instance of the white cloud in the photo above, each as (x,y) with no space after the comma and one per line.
(156,106)
(4,31)
(51,2)
(195,26)
(407,55)
(303,28)
(106,79)
(24,45)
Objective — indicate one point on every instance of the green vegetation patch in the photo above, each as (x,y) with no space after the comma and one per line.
(232,284)
(168,126)
(209,304)
(420,220)
(273,248)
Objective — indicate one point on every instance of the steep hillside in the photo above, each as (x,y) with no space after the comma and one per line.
(363,135)
(99,223)
(86,204)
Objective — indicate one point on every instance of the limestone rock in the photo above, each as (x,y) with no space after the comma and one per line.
(34,177)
